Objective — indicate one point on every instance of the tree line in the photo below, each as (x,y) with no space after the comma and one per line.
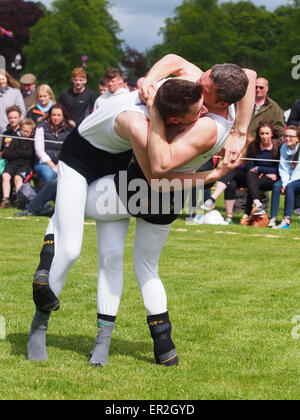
(205,32)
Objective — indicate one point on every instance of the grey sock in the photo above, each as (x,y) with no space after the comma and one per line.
(37,337)
(100,352)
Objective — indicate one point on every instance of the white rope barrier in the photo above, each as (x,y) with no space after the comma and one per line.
(8,136)
(265,160)
(218,157)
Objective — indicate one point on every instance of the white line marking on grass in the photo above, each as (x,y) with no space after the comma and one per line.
(220,232)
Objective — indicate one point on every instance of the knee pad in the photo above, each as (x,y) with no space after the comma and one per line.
(43,297)
(164,347)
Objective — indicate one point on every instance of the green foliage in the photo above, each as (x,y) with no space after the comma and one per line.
(69,31)
(206,33)
(279,71)
(199,24)
(17,16)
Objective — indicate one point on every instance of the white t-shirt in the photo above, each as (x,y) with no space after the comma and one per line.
(107,95)
(98,127)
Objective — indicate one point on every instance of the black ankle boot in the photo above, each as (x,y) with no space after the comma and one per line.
(164,347)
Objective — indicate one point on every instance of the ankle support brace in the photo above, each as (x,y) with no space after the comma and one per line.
(164,347)
(47,253)
(43,297)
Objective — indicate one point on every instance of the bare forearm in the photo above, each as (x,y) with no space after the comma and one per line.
(237,139)
(158,146)
(172,64)
(245,105)
(180,181)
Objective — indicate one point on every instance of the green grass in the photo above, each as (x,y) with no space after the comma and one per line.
(232,293)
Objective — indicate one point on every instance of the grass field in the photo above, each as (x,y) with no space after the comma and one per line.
(232,294)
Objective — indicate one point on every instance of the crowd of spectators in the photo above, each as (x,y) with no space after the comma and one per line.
(270,163)
(32,112)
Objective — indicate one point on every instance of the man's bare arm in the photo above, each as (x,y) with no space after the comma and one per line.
(169,64)
(134,128)
(195,140)
(245,105)
(237,139)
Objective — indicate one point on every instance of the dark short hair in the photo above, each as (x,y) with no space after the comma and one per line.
(111,73)
(175,96)
(14,108)
(231,81)
(65,113)
(254,146)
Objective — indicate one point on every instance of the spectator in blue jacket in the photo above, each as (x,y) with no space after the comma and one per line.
(289,182)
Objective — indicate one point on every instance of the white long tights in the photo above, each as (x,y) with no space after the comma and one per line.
(74,201)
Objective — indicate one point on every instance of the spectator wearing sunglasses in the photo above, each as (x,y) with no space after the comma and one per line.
(265,107)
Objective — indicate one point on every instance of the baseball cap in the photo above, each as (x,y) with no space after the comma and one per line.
(28,79)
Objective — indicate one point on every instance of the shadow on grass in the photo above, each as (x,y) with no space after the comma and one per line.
(83,345)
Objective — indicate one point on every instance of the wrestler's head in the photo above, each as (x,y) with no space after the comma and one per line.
(179,101)
(223,85)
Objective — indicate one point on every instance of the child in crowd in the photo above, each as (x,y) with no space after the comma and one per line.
(45,100)
(289,182)
(14,116)
(19,154)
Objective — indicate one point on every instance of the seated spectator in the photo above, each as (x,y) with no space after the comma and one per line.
(10,95)
(55,127)
(45,99)
(257,177)
(261,174)
(289,182)
(294,119)
(19,154)
(14,116)
(230,196)
(40,205)
(13,129)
